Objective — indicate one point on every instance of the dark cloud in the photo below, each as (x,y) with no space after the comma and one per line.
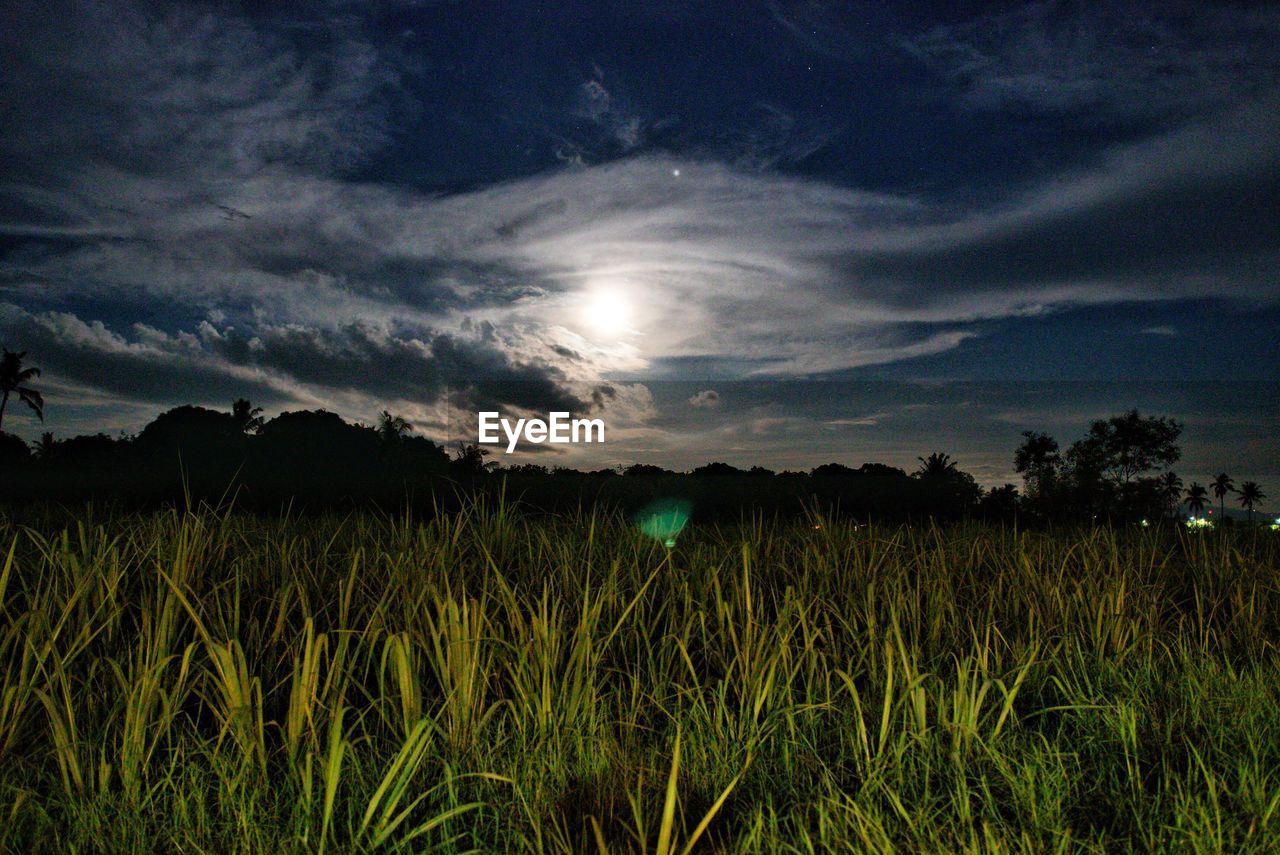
(200,201)
(1117,60)
(1164,219)
(566,352)
(486,378)
(730,262)
(705,399)
(286,363)
(136,86)
(150,366)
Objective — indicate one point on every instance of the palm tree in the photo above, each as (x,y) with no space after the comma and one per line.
(12,378)
(1170,486)
(471,459)
(1251,494)
(1222,484)
(936,466)
(247,417)
(1195,498)
(44,447)
(392,428)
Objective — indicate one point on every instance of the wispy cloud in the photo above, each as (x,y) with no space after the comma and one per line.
(820,28)
(786,274)
(187,88)
(861,421)
(597,104)
(201,163)
(1117,59)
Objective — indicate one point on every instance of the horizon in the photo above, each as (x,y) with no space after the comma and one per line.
(807,459)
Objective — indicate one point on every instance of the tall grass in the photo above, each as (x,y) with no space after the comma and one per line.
(211,681)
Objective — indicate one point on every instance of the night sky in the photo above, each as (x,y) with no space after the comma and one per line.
(777,233)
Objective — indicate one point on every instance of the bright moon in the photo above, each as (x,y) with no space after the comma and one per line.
(607,314)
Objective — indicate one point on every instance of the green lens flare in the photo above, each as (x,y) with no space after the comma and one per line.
(664,520)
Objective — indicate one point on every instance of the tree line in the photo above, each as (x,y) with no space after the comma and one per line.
(1121,470)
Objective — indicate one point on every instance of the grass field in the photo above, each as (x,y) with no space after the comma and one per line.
(487,681)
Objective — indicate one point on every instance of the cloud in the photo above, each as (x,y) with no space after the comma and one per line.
(361,362)
(777,274)
(706,399)
(595,103)
(149,366)
(1123,60)
(820,27)
(198,166)
(804,275)
(860,421)
(772,136)
(183,90)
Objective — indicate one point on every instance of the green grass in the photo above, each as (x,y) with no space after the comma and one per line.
(219,682)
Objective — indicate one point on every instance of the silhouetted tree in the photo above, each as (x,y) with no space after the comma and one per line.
(1169,488)
(1000,503)
(1251,494)
(12,450)
(1129,445)
(1222,485)
(44,447)
(192,431)
(936,466)
(880,470)
(1117,456)
(530,469)
(470,459)
(833,470)
(1195,498)
(391,429)
(13,379)
(950,490)
(422,452)
(645,470)
(247,417)
(90,453)
(314,454)
(1038,462)
(716,468)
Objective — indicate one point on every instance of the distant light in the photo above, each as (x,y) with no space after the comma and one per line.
(676,173)
(1198,522)
(1145,523)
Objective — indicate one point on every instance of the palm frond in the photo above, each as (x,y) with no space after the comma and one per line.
(34,400)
